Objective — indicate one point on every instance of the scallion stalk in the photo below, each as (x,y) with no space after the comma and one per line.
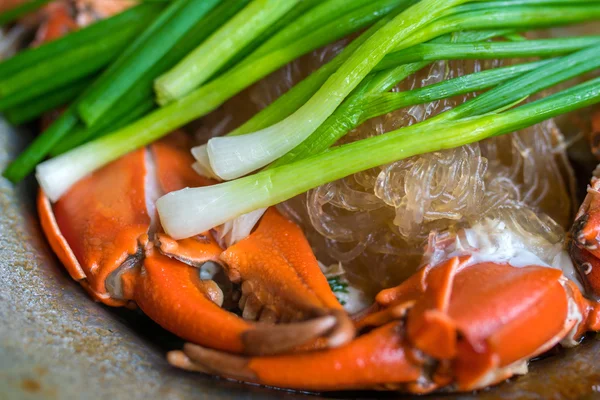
(34,108)
(84,134)
(19,11)
(190,211)
(220,47)
(36,151)
(294,98)
(200,102)
(138,15)
(352,114)
(154,44)
(232,157)
(296,12)
(58,72)
(494,50)
(367,106)
(35,72)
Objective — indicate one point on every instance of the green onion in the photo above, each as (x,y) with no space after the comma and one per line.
(19,11)
(83,134)
(367,106)
(203,62)
(38,71)
(288,19)
(36,151)
(231,157)
(268,144)
(58,72)
(327,12)
(352,114)
(291,100)
(189,211)
(140,58)
(299,94)
(200,102)
(34,108)
(494,50)
(514,17)
(294,98)
(139,15)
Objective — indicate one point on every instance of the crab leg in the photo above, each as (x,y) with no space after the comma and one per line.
(375,359)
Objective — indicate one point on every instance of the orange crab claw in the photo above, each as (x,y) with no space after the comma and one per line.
(281,278)
(106,233)
(373,360)
(472,317)
(586,229)
(174,296)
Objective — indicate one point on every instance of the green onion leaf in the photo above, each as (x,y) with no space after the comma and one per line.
(139,59)
(19,11)
(213,53)
(227,158)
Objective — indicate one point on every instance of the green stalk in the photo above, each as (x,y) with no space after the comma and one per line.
(229,161)
(323,14)
(19,11)
(289,18)
(367,106)
(557,71)
(153,45)
(290,101)
(264,146)
(380,82)
(34,108)
(137,16)
(58,72)
(231,38)
(373,106)
(24,164)
(515,17)
(84,134)
(494,50)
(363,107)
(200,102)
(186,212)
